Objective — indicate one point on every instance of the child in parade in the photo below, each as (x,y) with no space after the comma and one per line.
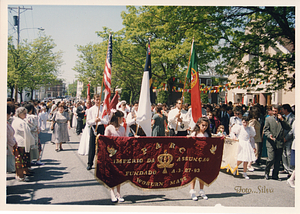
(212,124)
(115,129)
(201,130)
(246,149)
(221,131)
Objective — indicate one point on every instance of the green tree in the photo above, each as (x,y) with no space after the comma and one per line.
(72,89)
(170,45)
(223,36)
(251,31)
(162,97)
(204,98)
(32,64)
(187,98)
(90,65)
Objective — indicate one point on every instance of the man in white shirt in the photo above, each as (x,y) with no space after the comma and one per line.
(131,122)
(178,120)
(94,117)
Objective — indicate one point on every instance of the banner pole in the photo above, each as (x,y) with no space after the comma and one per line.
(137,128)
(102,86)
(185,81)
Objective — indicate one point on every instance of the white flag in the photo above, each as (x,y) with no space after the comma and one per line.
(144,115)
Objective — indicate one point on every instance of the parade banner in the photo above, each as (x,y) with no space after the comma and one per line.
(157,162)
(229,159)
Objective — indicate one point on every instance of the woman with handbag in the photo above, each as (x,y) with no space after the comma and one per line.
(60,125)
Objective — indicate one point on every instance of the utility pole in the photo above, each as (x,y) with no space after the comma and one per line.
(17,23)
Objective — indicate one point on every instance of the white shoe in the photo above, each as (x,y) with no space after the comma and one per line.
(245,176)
(202,194)
(24,179)
(291,183)
(193,195)
(250,169)
(39,163)
(113,197)
(119,198)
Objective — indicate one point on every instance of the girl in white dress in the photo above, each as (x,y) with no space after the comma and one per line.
(74,120)
(201,130)
(83,148)
(246,149)
(115,129)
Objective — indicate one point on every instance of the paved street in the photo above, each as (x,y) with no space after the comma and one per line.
(64,180)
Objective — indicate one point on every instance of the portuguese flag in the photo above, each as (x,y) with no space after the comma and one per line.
(193,76)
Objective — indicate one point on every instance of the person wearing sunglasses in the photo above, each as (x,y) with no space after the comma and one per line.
(178,120)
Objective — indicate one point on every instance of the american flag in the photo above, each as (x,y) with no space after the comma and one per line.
(107,78)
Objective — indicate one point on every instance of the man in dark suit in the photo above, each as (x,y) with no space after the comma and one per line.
(80,114)
(274,131)
(224,118)
(288,138)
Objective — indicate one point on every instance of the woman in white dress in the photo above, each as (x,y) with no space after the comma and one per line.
(32,121)
(74,120)
(83,148)
(43,116)
(246,149)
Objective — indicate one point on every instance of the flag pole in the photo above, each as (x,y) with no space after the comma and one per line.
(138,126)
(185,80)
(102,86)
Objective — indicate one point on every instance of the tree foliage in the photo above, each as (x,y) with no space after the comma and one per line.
(72,89)
(170,45)
(251,32)
(224,36)
(32,64)
(91,63)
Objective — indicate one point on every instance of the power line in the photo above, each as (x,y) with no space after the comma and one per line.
(26,26)
(32,22)
(18,40)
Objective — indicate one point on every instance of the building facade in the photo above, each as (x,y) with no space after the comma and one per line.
(263,97)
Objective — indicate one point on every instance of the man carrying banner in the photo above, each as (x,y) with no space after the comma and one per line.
(93,118)
(178,121)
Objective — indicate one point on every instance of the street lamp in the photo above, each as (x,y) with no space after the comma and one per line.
(39,28)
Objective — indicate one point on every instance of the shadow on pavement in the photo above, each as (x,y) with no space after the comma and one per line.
(225,195)
(71,143)
(16,199)
(45,136)
(47,172)
(66,150)
(129,199)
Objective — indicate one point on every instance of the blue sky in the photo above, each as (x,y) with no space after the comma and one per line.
(68,26)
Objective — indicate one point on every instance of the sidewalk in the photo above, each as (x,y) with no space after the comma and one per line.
(63,178)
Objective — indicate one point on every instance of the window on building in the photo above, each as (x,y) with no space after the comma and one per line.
(208,82)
